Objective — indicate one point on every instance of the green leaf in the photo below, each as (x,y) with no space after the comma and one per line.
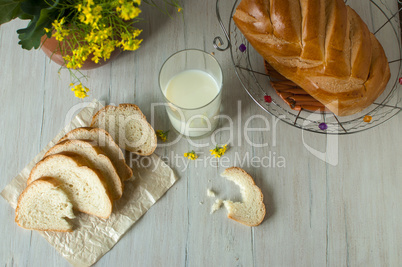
(9,10)
(42,17)
(25,16)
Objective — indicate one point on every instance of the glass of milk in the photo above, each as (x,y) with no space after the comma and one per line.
(191,82)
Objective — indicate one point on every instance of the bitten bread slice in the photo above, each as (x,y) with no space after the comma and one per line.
(128,127)
(97,160)
(251,211)
(43,206)
(107,144)
(82,184)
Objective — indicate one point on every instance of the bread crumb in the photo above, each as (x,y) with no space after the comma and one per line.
(217,205)
(210,193)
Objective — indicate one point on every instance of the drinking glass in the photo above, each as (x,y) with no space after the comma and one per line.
(190,119)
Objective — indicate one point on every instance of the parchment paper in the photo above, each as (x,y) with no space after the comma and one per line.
(93,237)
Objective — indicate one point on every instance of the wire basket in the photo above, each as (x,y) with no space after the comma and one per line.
(382,19)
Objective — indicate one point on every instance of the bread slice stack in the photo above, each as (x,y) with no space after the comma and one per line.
(84,171)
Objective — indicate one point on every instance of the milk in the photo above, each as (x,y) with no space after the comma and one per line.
(196,102)
(191,89)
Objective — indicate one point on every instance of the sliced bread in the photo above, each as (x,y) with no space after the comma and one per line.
(44,206)
(251,211)
(107,144)
(128,127)
(82,184)
(97,160)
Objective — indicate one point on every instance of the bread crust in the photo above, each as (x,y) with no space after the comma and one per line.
(128,172)
(341,80)
(137,109)
(54,182)
(236,170)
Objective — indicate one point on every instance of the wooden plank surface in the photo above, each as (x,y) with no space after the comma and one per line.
(317,214)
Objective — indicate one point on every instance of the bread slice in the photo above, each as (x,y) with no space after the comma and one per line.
(44,206)
(128,127)
(97,160)
(103,139)
(82,184)
(251,211)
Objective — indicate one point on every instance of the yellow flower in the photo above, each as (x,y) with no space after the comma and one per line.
(91,37)
(72,62)
(87,15)
(162,135)
(218,151)
(60,32)
(136,33)
(92,30)
(179,9)
(97,52)
(79,7)
(191,155)
(90,15)
(58,24)
(79,90)
(81,54)
(98,35)
(105,33)
(127,10)
(78,57)
(108,47)
(128,41)
(97,10)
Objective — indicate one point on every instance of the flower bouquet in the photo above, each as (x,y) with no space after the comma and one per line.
(84,30)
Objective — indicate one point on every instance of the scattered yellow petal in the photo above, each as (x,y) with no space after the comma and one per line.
(191,155)
(162,135)
(218,151)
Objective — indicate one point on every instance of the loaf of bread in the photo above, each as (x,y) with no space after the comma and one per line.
(82,183)
(321,45)
(103,139)
(128,127)
(251,211)
(44,206)
(96,158)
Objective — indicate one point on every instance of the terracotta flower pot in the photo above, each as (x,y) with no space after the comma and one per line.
(51,47)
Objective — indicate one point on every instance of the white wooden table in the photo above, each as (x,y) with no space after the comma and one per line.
(317,214)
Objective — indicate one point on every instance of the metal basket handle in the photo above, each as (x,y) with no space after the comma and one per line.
(218,41)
